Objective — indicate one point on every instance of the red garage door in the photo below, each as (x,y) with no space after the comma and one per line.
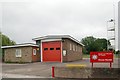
(51,51)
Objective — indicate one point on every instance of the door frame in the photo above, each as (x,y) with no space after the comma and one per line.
(50,40)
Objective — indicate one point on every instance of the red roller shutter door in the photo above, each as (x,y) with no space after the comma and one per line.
(51,51)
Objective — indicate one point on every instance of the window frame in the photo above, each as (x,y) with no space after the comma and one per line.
(57,48)
(73,47)
(34,52)
(45,49)
(51,48)
(76,48)
(70,46)
(18,53)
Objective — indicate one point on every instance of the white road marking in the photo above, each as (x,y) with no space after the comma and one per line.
(4,75)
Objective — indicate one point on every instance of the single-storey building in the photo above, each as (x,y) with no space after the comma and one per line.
(59,48)
(26,52)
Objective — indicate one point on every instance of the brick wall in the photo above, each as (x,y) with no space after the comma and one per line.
(9,55)
(85,72)
(73,54)
(66,72)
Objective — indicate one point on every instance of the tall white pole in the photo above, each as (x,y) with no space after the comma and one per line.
(114,26)
(107,34)
(118,36)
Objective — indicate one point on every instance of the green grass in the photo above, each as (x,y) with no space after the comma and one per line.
(116,56)
(88,56)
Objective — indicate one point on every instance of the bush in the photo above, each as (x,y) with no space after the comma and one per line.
(118,52)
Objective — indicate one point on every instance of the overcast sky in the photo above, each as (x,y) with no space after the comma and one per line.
(23,20)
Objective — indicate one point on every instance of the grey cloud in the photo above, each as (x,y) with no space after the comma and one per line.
(24,21)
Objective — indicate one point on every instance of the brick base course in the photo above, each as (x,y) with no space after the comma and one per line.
(77,72)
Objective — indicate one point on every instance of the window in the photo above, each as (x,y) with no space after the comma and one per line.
(18,53)
(51,48)
(34,51)
(57,48)
(73,47)
(70,47)
(79,49)
(76,48)
(64,52)
(45,49)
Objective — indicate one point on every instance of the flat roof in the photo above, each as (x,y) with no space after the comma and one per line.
(58,37)
(21,45)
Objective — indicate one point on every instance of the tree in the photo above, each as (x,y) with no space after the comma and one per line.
(88,42)
(6,40)
(118,52)
(94,44)
(101,44)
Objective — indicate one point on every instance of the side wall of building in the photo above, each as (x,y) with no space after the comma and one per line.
(73,50)
(9,55)
(38,42)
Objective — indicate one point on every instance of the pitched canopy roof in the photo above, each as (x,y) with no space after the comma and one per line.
(57,37)
(20,45)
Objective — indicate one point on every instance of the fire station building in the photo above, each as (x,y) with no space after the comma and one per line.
(59,48)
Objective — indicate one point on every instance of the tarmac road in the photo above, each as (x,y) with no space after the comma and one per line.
(42,69)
